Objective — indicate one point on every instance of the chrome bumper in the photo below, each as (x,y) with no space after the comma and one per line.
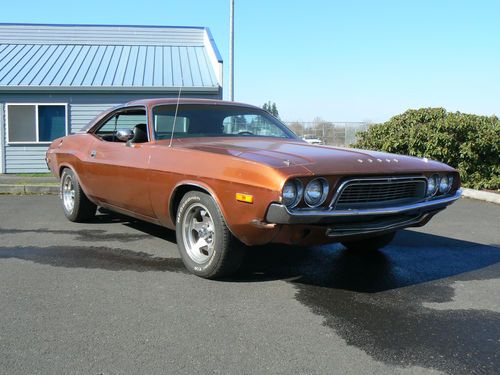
(280,214)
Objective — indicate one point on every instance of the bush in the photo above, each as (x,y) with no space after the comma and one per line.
(470,143)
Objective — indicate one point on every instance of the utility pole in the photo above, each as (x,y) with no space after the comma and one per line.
(231,50)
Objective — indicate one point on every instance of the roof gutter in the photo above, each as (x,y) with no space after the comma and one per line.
(108,89)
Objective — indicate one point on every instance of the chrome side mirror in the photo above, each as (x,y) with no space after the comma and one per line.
(124,135)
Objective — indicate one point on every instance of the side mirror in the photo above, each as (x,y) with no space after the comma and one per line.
(124,135)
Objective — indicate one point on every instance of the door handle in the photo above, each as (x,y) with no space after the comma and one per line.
(92,154)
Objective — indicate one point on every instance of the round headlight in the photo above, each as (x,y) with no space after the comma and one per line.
(432,185)
(444,185)
(292,191)
(315,192)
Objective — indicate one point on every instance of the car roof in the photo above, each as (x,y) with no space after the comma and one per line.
(159,101)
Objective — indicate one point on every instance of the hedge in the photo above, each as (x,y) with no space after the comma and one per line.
(470,143)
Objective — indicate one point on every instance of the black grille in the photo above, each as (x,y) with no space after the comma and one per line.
(359,192)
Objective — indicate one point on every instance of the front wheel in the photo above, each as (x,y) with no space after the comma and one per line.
(370,243)
(207,247)
(77,207)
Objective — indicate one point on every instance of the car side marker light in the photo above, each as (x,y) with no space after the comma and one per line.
(247,198)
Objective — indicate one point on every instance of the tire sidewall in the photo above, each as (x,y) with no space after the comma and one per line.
(208,268)
(72,216)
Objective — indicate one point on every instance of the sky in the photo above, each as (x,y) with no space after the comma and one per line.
(347,60)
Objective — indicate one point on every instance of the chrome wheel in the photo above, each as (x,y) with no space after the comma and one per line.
(68,194)
(198,233)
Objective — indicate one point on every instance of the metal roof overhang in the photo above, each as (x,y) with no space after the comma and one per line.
(110,89)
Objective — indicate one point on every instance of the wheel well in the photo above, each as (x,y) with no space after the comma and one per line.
(61,169)
(179,192)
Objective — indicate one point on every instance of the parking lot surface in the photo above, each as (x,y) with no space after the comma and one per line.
(112,296)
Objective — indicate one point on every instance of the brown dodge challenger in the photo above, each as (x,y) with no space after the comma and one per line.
(224,173)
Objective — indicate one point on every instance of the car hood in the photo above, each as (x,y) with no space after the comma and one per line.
(319,160)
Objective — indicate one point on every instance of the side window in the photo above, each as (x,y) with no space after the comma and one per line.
(128,119)
(164,124)
(108,128)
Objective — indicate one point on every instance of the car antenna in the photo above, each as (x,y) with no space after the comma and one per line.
(175,116)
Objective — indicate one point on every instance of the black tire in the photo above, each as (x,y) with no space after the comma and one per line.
(82,208)
(371,243)
(199,220)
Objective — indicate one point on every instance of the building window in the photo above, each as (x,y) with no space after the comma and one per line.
(35,123)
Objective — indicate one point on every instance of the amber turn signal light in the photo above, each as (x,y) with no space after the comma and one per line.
(244,198)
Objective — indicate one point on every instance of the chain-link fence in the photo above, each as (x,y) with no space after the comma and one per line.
(327,132)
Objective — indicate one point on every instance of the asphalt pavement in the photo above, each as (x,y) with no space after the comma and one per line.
(112,297)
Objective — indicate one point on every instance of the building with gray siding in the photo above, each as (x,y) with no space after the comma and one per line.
(54,79)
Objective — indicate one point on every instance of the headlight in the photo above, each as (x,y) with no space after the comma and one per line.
(445,184)
(315,192)
(432,185)
(292,192)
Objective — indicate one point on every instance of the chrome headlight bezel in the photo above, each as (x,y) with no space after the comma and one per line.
(433,185)
(324,192)
(299,191)
(445,184)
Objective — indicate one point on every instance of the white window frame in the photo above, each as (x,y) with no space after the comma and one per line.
(9,142)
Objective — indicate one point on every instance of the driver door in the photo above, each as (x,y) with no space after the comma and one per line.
(117,170)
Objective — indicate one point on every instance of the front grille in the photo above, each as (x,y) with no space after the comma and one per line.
(383,191)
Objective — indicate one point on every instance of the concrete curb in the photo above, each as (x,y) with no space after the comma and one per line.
(20,180)
(28,189)
(481,195)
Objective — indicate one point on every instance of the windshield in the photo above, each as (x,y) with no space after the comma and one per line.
(194,120)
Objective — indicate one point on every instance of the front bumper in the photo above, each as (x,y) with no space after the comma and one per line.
(361,221)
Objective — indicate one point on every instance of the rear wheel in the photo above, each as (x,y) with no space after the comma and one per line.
(77,207)
(207,247)
(370,243)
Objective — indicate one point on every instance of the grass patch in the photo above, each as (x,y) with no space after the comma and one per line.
(46,174)
(33,184)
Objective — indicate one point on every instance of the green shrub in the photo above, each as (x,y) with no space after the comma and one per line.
(470,143)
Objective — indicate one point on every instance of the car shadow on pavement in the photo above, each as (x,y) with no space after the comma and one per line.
(412,258)
(106,258)
(158,231)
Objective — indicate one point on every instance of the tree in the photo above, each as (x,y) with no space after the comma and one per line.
(297,128)
(470,143)
(271,108)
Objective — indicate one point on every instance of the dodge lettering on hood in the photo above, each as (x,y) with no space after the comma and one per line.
(227,175)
